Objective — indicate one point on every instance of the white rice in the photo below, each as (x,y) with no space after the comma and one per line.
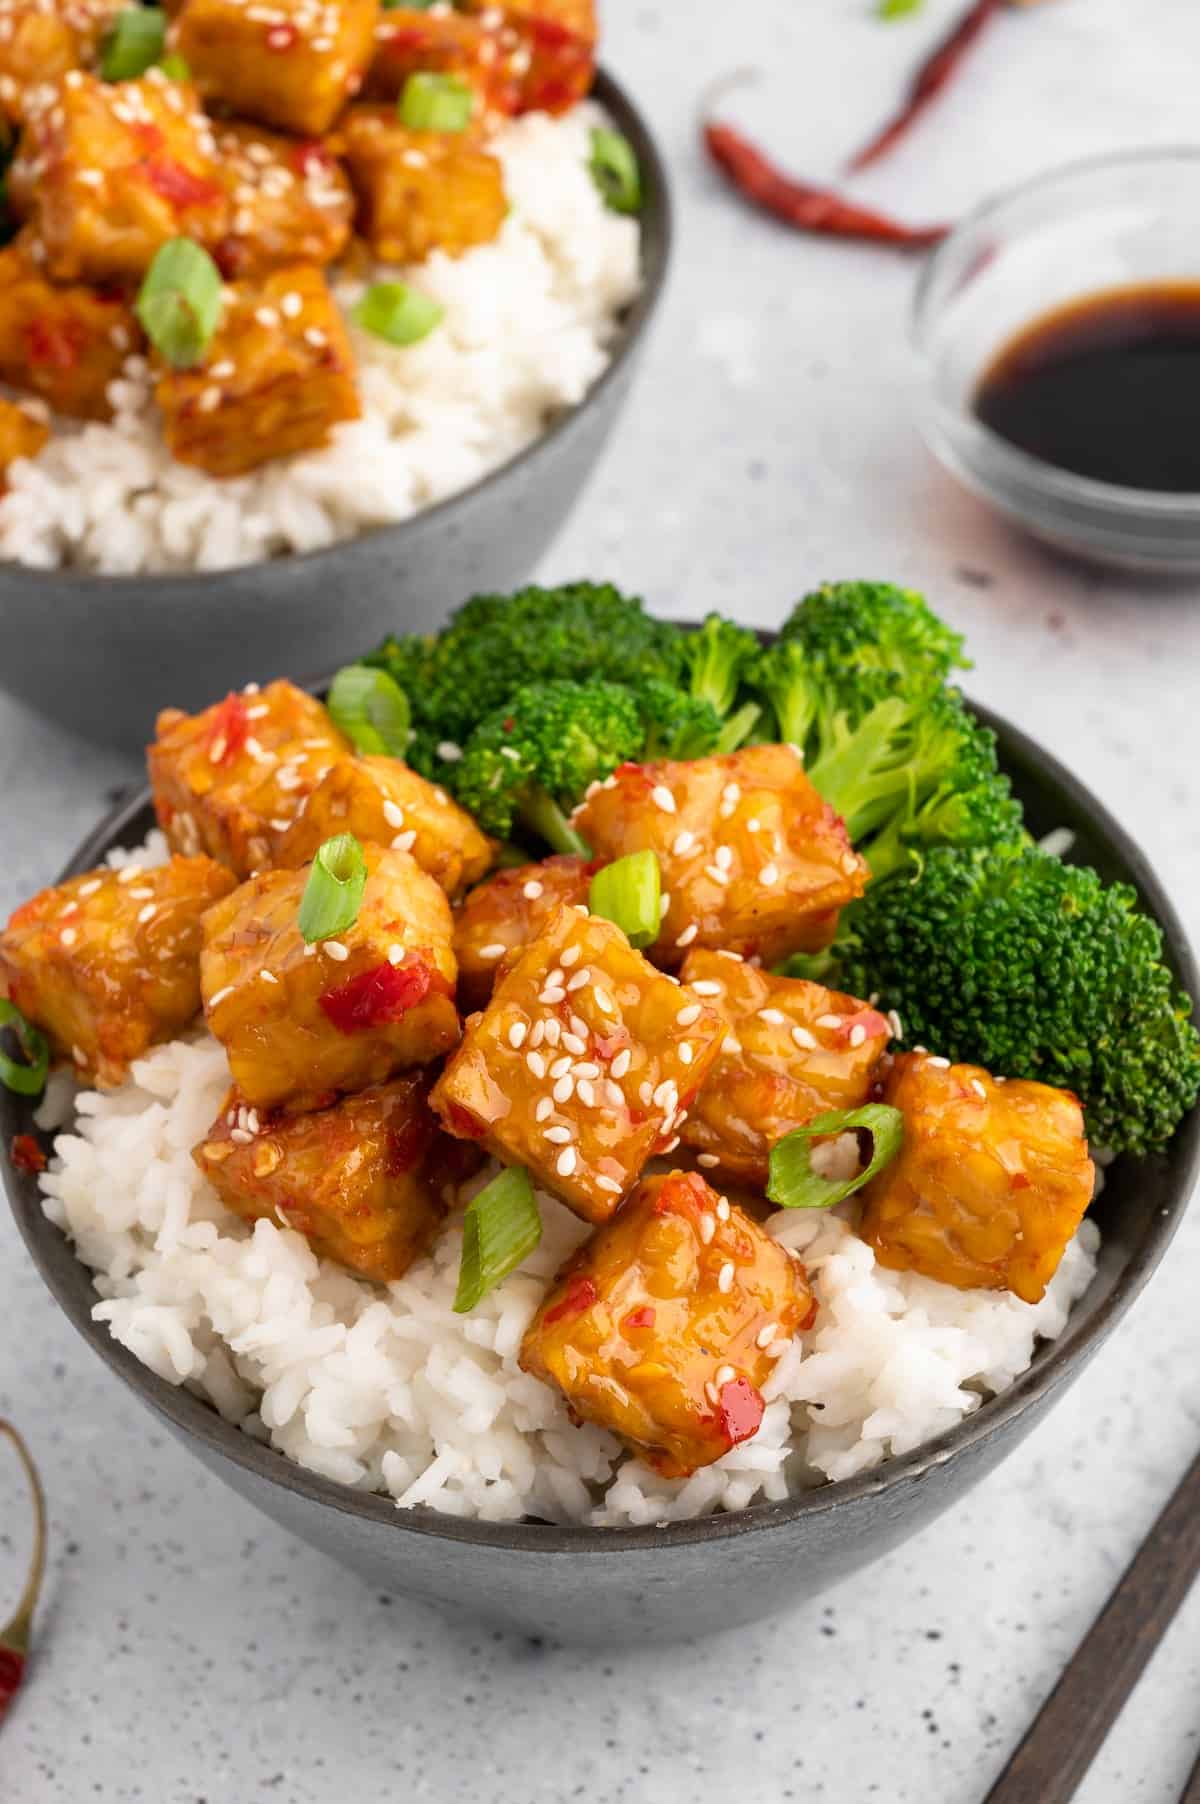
(384,1387)
(529,325)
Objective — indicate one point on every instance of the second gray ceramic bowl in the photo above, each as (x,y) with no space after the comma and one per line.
(606,1585)
(100,654)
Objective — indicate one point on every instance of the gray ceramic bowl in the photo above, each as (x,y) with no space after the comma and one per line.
(100,653)
(621,1585)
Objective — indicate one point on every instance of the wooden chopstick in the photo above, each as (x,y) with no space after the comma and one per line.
(1066,1734)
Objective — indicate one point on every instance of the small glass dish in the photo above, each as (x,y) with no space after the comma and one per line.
(1128,218)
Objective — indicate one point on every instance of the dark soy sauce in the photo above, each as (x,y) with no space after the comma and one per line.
(1107,387)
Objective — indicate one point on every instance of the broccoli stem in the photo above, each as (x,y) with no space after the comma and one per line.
(737,727)
(542,813)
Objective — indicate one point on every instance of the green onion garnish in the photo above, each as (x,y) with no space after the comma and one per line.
(793,1184)
(614,169)
(134,44)
(435,103)
(175,67)
(371,709)
(179,302)
(394,311)
(334,891)
(502,1226)
(28,1079)
(628,892)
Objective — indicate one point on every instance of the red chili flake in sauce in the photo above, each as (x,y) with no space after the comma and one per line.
(55,344)
(149,136)
(607,1046)
(634,773)
(26,1154)
(179,185)
(311,155)
(580,1294)
(408,1145)
(228,730)
(281,37)
(639,1318)
(377,997)
(1019,1181)
(462,1123)
(810,1318)
(870,1019)
(739,1410)
(681,1194)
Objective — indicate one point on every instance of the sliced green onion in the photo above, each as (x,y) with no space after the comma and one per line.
(175,67)
(334,891)
(793,1184)
(629,893)
(371,709)
(394,311)
(179,302)
(28,1079)
(435,103)
(134,43)
(502,1226)
(614,169)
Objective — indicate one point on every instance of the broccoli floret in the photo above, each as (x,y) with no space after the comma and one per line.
(1033,968)
(494,643)
(677,725)
(720,656)
(852,631)
(529,762)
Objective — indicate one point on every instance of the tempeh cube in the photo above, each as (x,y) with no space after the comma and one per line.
(751,857)
(232,780)
(794,1050)
(64,344)
(382,800)
(500,917)
(990,1184)
(108,964)
(368,1182)
(304,1023)
(40,40)
(419,191)
(292,63)
(23,432)
(289,202)
(664,1326)
(583,1064)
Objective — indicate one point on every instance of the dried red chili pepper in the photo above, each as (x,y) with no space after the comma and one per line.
(26,1154)
(800,204)
(15,1635)
(930,79)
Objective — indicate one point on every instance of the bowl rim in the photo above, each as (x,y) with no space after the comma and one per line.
(657,233)
(1119,500)
(70,1282)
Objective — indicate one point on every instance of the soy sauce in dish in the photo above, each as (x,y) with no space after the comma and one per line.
(1107,386)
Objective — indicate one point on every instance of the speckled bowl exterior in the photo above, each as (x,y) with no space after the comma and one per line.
(99,654)
(615,1586)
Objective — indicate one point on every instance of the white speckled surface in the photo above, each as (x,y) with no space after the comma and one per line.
(189,1651)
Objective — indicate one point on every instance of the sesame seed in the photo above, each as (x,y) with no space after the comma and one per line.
(516,1035)
(804,1040)
(893,1021)
(337,952)
(79,1055)
(620,1064)
(536,1063)
(688,935)
(609,1184)
(587,1070)
(769,874)
(268,977)
(725,1276)
(241,1135)
(723,1208)
(685,1052)
(404,842)
(687,1015)
(585,1093)
(664,903)
(773,1015)
(708,1160)
(766,1335)
(735,956)
(616,1095)
(717,874)
(666,1096)
(544,1109)
(291,306)
(560,1067)
(732,792)
(554,1032)
(130,874)
(683,842)
(89,889)
(68,936)
(538,1034)
(497,949)
(554,993)
(147,913)
(604,1001)
(450,752)
(940,1064)
(830,1021)
(723,858)
(706,987)
(725,1375)
(580,979)
(395,954)
(566,1162)
(393,814)
(712,1393)
(978,1088)
(215,1001)
(662,798)
(531,891)
(564,1089)
(858,1034)
(645,1094)
(573,1043)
